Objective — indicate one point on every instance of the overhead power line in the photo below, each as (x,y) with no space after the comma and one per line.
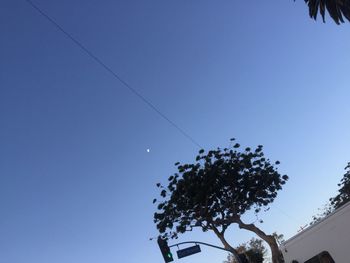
(107,68)
(122,81)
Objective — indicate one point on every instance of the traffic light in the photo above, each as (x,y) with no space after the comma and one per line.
(164,248)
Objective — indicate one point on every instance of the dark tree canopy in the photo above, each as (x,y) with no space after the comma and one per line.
(219,187)
(343,195)
(254,251)
(216,190)
(337,9)
(340,199)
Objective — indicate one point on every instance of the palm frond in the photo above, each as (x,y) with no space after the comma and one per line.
(337,9)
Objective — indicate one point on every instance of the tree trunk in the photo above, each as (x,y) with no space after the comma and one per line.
(276,254)
(227,246)
(269,239)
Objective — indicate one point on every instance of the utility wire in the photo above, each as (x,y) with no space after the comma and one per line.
(289,216)
(107,68)
(122,81)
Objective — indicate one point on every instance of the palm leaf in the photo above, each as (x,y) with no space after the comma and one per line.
(337,9)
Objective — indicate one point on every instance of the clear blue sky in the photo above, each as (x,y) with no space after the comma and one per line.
(76,181)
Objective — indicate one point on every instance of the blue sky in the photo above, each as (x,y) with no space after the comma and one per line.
(76,180)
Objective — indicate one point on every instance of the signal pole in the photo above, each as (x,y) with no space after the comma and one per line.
(168,257)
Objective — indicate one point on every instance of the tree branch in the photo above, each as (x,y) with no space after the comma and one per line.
(270,239)
(225,243)
(223,240)
(251,227)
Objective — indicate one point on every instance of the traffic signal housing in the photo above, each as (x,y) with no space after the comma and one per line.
(164,248)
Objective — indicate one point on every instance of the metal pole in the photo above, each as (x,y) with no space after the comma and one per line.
(209,245)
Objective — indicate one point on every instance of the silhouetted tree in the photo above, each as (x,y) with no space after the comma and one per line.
(340,199)
(344,192)
(216,190)
(325,211)
(337,9)
(254,251)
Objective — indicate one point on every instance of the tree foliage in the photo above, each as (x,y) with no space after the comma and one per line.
(337,201)
(279,238)
(254,251)
(325,211)
(216,190)
(343,195)
(339,10)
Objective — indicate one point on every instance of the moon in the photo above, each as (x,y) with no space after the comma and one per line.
(148,150)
